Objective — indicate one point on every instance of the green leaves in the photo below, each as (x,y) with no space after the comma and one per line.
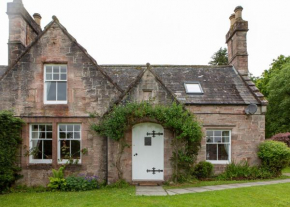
(220,57)
(274,155)
(278,112)
(10,140)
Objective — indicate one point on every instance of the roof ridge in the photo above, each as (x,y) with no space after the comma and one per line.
(165,65)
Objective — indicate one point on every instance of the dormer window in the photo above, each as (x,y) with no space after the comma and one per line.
(55,81)
(193,88)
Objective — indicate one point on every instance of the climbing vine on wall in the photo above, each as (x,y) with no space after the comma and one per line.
(186,130)
(10,139)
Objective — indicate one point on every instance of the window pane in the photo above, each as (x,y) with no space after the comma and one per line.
(226,139)
(62,135)
(63,69)
(47,149)
(55,76)
(70,135)
(34,127)
(37,149)
(211,152)
(209,133)
(77,127)
(35,135)
(223,150)
(226,133)
(51,91)
(75,149)
(70,128)
(217,139)
(193,88)
(49,135)
(217,133)
(48,69)
(55,69)
(64,150)
(48,76)
(41,135)
(147,141)
(62,127)
(42,128)
(61,91)
(209,139)
(49,128)
(63,77)
(77,135)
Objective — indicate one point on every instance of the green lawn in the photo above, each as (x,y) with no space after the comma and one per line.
(270,195)
(286,170)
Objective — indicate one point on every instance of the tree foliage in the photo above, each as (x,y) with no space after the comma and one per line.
(10,139)
(186,129)
(278,111)
(262,82)
(220,57)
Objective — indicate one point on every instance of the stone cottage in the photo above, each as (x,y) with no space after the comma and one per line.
(53,84)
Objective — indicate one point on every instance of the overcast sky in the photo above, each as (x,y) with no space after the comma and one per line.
(163,31)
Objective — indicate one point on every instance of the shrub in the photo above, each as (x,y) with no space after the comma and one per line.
(81,183)
(242,171)
(203,170)
(10,140)
(57,181)
(274,156)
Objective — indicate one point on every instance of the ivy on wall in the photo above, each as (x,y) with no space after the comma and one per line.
(10,139)
(186,131)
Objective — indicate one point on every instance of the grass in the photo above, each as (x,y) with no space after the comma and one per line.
(286,170)
(197,183)
(269,195)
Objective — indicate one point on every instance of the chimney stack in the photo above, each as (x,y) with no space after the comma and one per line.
(23,29)
(37,18)
(236,40)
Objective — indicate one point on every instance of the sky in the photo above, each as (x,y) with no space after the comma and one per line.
(179,32)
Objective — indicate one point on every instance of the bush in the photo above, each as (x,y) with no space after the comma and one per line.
(203,170)
(242,171)
(57,181)
(274,156)
(10,140)
(81,183)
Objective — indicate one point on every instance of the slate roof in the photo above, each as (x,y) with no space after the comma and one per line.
(221,84)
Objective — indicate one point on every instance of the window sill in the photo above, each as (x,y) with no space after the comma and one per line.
(40,161)
(219,162)
(54,102)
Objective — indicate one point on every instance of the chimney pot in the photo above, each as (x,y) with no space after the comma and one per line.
(238,12)
(37,18)
(233,19)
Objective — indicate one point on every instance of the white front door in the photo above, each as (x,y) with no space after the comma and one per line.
(147,152)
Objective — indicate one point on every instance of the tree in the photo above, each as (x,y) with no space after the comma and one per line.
(278,112)
(262,82)
(220,57)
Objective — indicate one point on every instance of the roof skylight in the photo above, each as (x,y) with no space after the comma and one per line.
(193,88)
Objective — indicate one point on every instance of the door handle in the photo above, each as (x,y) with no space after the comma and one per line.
(135,154)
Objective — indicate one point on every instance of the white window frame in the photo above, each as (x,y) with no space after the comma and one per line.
(63,161)
(216,143)
(193,82)
(31,160)
(45,85)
